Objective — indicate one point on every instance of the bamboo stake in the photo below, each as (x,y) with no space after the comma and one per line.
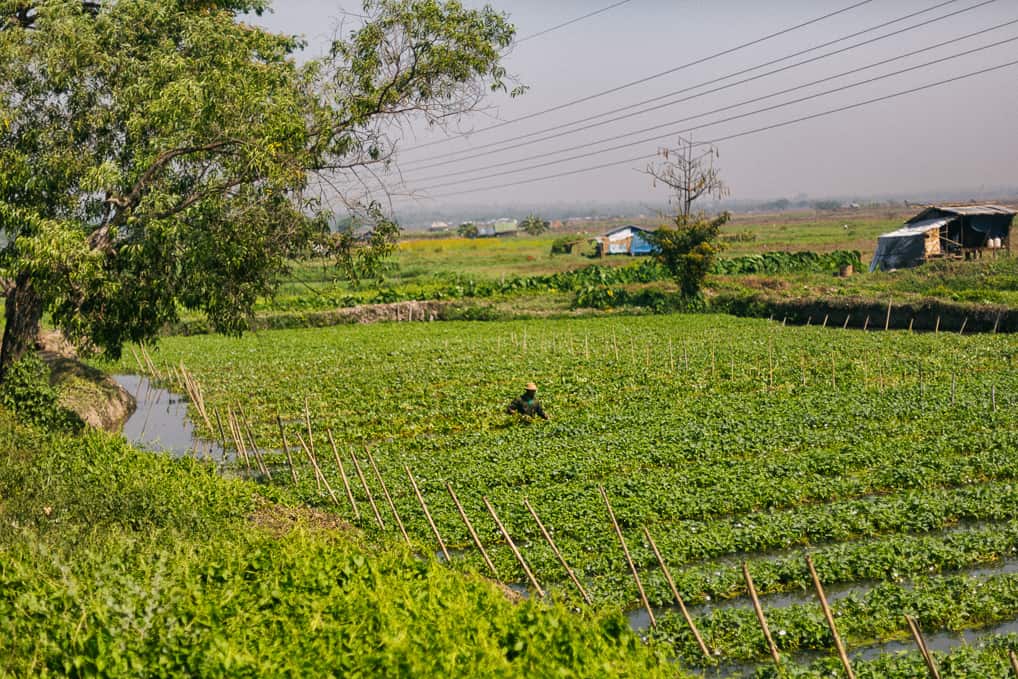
(286,448)
(342,475)
(838,644)
(151,366)
(996,323)
(470,529)
(1014,662)
(367,490)
(936,328)
(963,324)
(238,441)
(910,322)
(760,616)
(866,323)
(388,498)
(678,598)
(629,559)
(318,470)
(195,394)
(254,446)
(847,318)
(887,320)
(512,546)
(141,368)
(809,321)
(826,317)
(424,506)
(222,434)
(558,554)
(917,635)
(311,442)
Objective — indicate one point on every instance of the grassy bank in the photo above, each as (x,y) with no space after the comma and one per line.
(120,563)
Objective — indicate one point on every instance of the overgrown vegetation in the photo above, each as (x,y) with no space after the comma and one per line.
(121,563)
(27,392)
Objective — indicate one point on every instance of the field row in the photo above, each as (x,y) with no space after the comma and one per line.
(889,456)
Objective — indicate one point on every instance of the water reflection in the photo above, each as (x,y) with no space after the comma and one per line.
(161,423)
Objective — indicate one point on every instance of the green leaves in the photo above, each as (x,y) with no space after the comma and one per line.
(121,563)
(176,151)
(689,250)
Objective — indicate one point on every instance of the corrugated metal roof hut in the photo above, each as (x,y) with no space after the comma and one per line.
(624,240)
(944,231)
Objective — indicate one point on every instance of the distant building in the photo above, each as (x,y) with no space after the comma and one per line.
(945,231)
(500,228)
(624,240)
(438,227)
(506,227)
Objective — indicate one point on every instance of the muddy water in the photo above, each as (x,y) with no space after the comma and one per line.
(160,422)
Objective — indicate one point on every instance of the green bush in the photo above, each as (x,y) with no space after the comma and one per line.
(26,391)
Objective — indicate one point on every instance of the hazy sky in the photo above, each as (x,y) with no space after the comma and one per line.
(959,135)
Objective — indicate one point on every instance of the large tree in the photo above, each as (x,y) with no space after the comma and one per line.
(159,154)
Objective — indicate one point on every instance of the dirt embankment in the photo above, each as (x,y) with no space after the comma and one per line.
(852,312)
(93,395)
(412,311)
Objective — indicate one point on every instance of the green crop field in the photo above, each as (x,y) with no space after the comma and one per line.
(888,456)
(422,266)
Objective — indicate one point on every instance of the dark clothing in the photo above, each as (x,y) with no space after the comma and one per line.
(527,405)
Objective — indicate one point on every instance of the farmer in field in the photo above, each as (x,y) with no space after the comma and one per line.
(527,405)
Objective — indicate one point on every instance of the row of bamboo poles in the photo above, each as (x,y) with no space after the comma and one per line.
(239,432)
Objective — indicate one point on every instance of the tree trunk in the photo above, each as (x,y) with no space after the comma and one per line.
(23,311)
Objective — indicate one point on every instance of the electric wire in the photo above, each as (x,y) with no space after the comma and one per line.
(508,144)
(640,81)
(716,140)
(673,133)
(572,21)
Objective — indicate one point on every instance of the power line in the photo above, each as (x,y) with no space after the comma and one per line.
(733,106)
(645,79)
(571,21)
(531,36)
(737,135)
(766,109)
(508,145)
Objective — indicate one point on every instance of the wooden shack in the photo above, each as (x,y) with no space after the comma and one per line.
(945,231)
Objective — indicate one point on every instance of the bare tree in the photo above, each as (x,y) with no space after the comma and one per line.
(690,174)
